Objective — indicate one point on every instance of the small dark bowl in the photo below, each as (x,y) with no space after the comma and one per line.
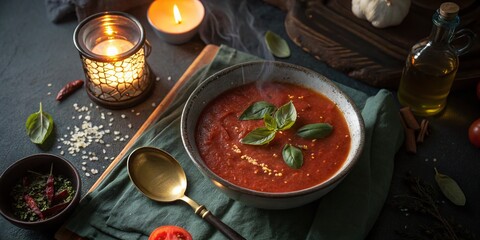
(38,163)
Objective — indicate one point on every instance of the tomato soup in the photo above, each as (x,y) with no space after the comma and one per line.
(262,168)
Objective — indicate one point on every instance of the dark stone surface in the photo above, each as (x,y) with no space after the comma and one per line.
(36,53)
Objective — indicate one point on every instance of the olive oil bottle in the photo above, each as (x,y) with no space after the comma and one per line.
(432,63)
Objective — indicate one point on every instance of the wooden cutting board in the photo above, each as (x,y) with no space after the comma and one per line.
(329,31)
(204,58)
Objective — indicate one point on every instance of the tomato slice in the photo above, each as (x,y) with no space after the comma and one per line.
(170,232)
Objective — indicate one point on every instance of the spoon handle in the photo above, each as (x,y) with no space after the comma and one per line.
(218,224)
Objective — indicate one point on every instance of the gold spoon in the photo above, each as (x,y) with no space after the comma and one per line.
(161,178)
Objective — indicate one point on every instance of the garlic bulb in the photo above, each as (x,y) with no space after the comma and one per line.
(381,13)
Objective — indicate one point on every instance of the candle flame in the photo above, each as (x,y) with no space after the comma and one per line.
(111,51)
(109,30)
(176,14)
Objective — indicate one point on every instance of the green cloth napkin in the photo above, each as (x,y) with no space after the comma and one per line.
(116,209)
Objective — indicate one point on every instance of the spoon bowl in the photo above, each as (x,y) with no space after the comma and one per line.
(160,177)
(157,174)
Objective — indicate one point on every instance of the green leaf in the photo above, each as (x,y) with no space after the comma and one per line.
(270,122)
(259,136)
(277,45)
(285,116)
(315,130)
(292,156)
(257,111)
(450,189)
(39,126)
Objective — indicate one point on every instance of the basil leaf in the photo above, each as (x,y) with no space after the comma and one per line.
(285,116)
(315,130)
(292,156)
(259,136)
(39,126)
(277,45)
(450,189)
(257,111)
(270,122)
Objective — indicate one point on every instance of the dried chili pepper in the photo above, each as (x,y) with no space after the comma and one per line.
(55,209)
(33,205)
(69,89)
(60,196)
(50,187)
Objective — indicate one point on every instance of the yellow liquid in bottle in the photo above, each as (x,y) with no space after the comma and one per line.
(425,85)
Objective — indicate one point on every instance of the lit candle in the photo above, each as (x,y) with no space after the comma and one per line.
(113,50)
(114,77)
(176,21)
(112,47)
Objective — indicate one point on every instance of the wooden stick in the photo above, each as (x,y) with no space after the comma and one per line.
(204,58)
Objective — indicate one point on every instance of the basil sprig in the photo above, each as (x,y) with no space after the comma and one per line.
(281,119)
(39,126)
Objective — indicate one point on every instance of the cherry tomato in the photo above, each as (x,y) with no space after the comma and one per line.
(474,133)
(170,233)
(478,90)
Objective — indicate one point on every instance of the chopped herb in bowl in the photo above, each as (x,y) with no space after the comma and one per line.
(39,196)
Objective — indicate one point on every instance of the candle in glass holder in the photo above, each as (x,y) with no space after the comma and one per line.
(176,21)
(112,48)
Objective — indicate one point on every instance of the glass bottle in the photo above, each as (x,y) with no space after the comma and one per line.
(432,64)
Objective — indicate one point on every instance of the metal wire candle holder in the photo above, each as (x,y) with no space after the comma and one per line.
(113,49)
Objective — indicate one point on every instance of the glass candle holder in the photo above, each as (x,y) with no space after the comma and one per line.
(113,49)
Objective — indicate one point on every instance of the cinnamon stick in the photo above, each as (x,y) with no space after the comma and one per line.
(423,130)
(409,118)
(410,143)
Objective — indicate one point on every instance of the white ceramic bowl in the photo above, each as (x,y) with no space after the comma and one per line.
(270,71)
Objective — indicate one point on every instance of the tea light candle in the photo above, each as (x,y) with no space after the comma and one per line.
(113,49)
(176,21)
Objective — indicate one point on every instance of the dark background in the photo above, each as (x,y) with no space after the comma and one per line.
(35,52)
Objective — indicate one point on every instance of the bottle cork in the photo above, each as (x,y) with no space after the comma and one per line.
(449,10)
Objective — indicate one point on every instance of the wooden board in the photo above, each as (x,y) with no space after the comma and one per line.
(204,58)
(330,32)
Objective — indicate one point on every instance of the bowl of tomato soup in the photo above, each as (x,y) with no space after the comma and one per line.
(272,135)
